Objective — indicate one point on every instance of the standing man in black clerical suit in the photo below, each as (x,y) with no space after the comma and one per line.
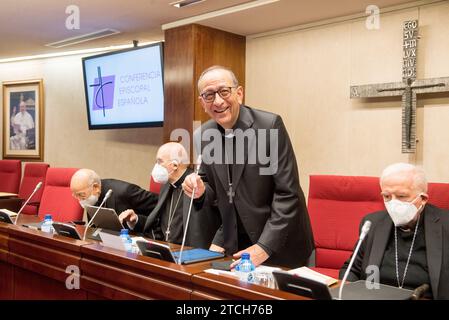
(407,244)
(262,206)
(89,189)
(167,220)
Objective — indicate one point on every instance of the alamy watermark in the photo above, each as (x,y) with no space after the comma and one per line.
(373,277)
(72,282)
(372,22)
(73,21)
(249,146)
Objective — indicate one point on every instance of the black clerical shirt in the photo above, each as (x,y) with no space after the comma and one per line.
(175,195)
(418,271)
(230,158)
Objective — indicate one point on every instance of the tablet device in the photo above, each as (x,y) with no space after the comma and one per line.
(66,230)
(163,252)
(106,218)
(197,255)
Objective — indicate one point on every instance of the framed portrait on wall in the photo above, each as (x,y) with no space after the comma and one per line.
(23,120)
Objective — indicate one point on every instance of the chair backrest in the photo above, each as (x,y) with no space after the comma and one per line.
(154,186)
(336,206)
(10,174)
(33,174)
(57,198)
(439,194)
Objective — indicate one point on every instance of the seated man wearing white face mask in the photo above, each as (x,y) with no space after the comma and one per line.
(408,242)
(167,221)
(89,189)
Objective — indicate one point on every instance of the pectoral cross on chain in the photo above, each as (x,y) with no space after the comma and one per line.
(230,193)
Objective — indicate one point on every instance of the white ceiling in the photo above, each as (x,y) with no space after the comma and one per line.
(27,25)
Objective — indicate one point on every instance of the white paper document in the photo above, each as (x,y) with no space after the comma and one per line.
(308,273)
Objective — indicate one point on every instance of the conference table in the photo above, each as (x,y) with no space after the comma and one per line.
(38,265)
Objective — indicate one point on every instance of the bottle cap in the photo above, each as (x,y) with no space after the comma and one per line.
(124,231)
(47,216)
(245,255)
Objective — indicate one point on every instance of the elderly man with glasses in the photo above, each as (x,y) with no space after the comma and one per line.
(249,171)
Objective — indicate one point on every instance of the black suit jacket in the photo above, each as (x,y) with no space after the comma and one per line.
(436,229)
(272,207)
(125,196)
(202,224)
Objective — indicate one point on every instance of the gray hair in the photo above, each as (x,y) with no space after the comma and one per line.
(235,82)
(175,151)
(92,176)
(419,176)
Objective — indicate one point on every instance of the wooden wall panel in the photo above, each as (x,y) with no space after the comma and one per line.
(216,47)
(188,51)
(178,79)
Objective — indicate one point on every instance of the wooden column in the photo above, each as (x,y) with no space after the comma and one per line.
(188,50)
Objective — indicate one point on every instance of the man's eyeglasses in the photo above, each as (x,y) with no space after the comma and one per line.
(224,93)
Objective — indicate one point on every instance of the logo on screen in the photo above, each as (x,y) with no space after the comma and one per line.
(103,92)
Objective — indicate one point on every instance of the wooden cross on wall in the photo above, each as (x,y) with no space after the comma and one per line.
(408,88)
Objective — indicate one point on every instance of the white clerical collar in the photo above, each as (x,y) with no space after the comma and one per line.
(174,183)
(229,133)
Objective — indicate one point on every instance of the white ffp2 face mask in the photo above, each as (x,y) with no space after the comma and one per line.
(90,201)
(402,212)
(160,174)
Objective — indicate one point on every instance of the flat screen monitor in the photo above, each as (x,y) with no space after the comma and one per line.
(125,89)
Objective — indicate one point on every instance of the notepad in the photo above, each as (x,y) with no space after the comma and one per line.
(308,273)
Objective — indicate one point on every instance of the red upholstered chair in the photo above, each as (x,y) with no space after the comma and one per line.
(336,206)
(32,175)
(439,194)
(57,198)
(10,175)
(154,186)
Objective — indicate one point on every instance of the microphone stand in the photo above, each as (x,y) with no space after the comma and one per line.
(365,229)
(106,197)
(190,210)
(38,186)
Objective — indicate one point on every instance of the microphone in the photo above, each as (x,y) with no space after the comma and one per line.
(106,197)
(365,229)
(197,169)
(38,186)
(198,164)
(419,292)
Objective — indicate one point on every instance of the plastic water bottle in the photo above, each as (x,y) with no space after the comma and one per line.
(47,225)
(126,240)
(245,269)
